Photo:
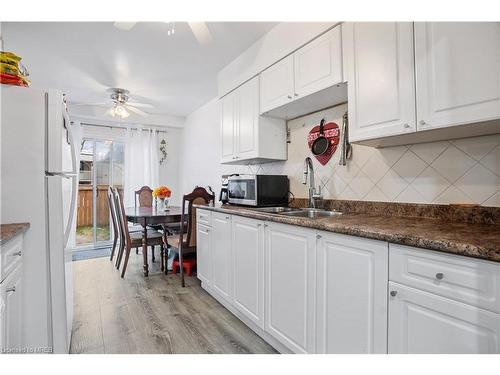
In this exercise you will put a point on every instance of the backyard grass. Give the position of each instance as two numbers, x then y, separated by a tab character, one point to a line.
84	234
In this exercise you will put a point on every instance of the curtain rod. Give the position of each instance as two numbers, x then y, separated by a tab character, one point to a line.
124	127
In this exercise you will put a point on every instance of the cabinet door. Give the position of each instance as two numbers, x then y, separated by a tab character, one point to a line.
204	254
276	85
221	254
11	293
352	294
318	65
420	322
247	123
289	286
380	75
248	268
458	70
2	318
228	116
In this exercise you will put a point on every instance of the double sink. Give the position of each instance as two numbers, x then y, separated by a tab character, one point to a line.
311	213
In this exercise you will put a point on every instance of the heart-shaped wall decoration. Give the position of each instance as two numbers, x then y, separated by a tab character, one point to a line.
332	133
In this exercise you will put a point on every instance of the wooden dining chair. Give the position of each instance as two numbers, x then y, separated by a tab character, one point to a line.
185	241
144	196
132	240
136	230
116	230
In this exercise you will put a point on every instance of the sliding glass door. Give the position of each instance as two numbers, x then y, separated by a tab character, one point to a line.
101	166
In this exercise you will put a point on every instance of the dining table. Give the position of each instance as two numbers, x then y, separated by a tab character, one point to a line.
147	216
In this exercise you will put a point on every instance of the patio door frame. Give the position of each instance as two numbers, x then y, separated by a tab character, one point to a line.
99	244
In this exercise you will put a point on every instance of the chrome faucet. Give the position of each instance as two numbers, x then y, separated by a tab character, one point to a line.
313	195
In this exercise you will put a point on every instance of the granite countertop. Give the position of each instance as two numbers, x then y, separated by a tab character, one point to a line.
9	231
473	240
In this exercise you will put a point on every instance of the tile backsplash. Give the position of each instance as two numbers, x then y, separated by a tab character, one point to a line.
457	171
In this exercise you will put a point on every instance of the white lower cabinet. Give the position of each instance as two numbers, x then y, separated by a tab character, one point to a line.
221	254
421	322
11	313
248	268
11	295
204	254
442	303
351	304
309	291
289	286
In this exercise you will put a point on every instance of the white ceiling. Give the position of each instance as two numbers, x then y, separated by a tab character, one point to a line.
173	73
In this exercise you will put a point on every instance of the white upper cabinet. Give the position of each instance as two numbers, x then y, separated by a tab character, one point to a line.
318	64
247	125
457	72
228	117
245	135
380	75
277	87
351	305
299	83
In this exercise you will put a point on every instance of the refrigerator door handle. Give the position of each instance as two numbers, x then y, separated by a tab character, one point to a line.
67	175
74	180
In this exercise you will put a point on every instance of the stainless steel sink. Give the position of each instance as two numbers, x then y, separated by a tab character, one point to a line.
278	210
312	213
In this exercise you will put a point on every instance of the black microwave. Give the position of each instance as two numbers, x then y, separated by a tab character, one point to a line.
258	190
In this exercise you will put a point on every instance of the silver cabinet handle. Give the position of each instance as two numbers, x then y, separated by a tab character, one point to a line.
295	94
17	254
394	293
439	276
318	236
422	122
265	225
406	126
259	225
289	96
227	217
11	290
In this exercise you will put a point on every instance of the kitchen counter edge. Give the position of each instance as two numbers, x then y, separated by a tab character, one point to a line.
429	234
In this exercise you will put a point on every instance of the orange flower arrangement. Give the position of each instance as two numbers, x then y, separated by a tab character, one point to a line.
162	192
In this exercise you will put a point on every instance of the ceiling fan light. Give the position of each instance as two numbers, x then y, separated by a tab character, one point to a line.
120	111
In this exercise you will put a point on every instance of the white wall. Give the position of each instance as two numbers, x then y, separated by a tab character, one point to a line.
459	171
200	145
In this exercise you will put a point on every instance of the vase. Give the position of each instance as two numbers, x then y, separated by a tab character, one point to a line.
163	204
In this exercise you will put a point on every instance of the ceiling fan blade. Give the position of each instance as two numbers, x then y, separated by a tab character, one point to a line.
124	25
140	105
109	112
96	104
201	32
137	111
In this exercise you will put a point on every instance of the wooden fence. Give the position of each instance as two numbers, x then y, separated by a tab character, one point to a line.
85	200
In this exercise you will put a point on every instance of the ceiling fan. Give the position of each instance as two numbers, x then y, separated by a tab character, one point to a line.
119	105
200	30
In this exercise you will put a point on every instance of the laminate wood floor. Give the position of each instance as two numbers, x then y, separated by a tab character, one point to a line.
151	315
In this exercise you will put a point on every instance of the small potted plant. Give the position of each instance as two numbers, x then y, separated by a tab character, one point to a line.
162	193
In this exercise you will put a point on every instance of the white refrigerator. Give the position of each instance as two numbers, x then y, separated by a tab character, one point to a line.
39	185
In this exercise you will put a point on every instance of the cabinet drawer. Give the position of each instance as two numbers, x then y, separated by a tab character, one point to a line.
203	216
471	281
11	254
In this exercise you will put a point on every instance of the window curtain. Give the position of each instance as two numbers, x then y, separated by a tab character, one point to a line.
141	162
